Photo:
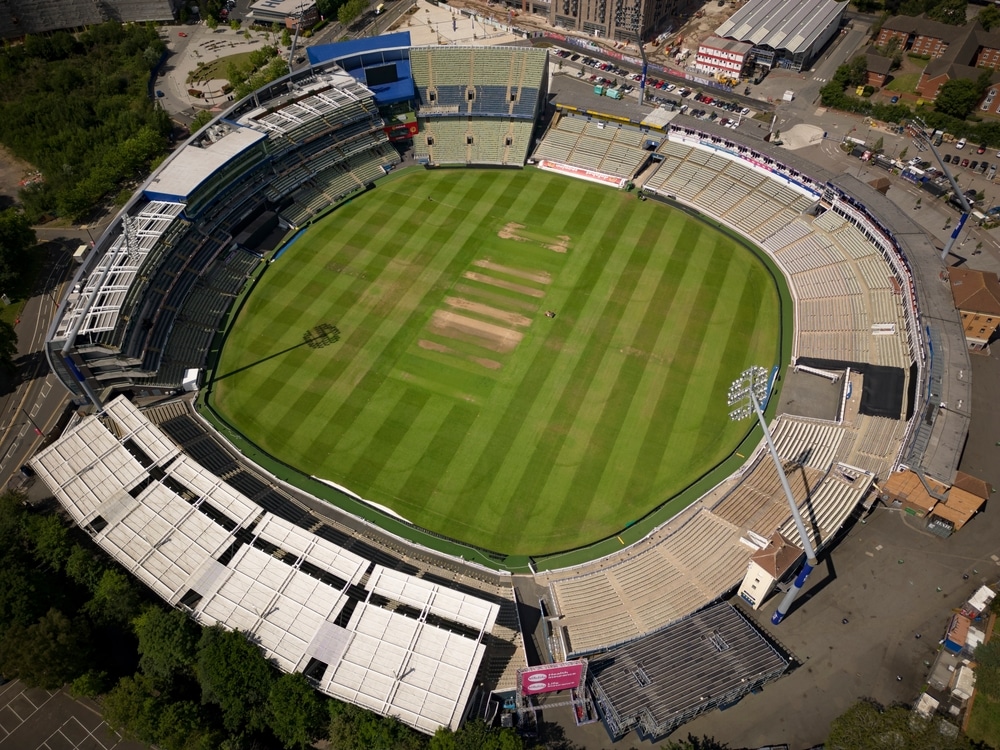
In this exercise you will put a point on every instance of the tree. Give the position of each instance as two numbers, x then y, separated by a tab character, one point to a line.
949	11
868	726
475	735
132	709
168	642
201	120
857	71
115	598
212	23
297	715
354	728
989	17
16	239
48	537
349	11
235	676
696	743
286	37
8	344
48	654
958	96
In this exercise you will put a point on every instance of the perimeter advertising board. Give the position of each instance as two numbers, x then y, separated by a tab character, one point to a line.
550	678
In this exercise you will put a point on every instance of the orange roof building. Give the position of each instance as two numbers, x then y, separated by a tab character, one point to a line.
766	567
917	497
977	297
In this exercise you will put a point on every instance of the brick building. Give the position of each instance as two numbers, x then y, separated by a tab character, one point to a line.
956	52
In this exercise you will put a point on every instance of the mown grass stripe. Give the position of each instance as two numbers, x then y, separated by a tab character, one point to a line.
539	453
670	430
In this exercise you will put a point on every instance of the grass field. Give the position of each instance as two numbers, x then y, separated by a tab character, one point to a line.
401	348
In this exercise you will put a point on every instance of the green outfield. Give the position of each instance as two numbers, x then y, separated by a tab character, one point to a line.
513	359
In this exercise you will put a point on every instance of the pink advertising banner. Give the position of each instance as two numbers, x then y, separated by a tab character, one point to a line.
549	678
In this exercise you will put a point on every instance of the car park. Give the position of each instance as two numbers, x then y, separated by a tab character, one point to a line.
685	92
745	111
670	87
993	172
983	166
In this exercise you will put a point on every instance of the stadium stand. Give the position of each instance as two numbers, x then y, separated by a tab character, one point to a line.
21	17
709	660
613	149
478	105
139	318
311	604
148	303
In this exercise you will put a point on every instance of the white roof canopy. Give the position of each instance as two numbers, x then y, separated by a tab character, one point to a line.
169	521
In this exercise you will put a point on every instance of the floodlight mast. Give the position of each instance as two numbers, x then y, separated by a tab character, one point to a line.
745	394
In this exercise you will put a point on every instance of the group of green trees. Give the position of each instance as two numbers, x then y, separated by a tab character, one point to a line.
76	106
17	239
955	102
69	615
945	11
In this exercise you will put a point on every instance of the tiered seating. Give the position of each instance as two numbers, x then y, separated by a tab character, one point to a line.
40	16
140	10
854	242
758	502
650	589
830	505
812	443
877	444
479	81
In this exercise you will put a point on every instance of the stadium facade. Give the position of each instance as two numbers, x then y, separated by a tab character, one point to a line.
19	18
401	630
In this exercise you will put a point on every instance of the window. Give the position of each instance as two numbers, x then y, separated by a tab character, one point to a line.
513	96
468	140
471	93
508	141
430	140
432	96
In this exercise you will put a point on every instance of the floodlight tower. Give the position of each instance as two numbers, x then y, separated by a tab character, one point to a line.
745	396
966	208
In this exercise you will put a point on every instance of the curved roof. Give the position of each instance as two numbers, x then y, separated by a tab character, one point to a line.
791	25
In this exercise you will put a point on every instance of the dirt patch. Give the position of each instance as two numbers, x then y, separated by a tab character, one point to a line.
509	285
539	277
12	172
511	318
489	364
514	231
433	346
524	305
489	336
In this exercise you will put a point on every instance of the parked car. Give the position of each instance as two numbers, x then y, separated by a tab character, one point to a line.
983	166
973	165
961	144
947	159
993	172
981	149
965	162
894	100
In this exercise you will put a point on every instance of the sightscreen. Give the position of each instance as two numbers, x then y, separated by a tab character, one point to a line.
381	75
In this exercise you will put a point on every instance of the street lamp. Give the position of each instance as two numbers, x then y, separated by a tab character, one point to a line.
745	396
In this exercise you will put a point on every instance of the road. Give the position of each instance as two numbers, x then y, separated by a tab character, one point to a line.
32	409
